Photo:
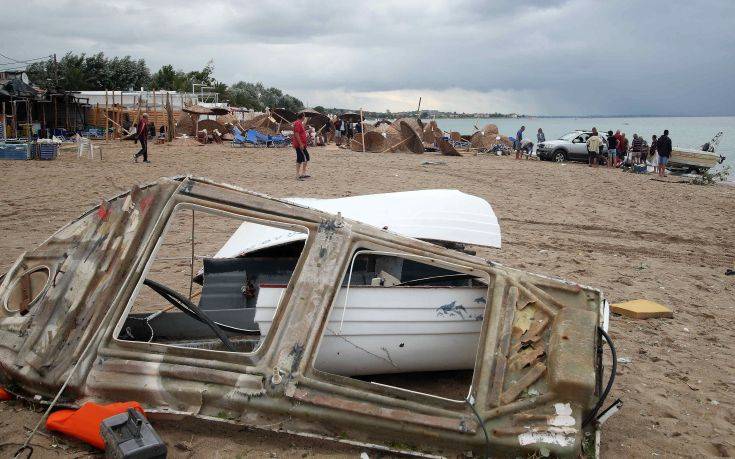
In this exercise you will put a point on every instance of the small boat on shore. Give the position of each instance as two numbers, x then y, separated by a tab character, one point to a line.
692	159
697	160
392	314
398	329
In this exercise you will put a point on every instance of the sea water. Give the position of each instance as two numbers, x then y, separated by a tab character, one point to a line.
685	132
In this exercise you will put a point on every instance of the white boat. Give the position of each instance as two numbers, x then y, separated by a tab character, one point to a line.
440	215
691	158
377	330
390	328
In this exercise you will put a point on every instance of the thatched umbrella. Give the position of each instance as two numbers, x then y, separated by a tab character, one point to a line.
228	118
432	133
310	112
481	140
383	121
411	138
394	140
197	110
416	124
211	125
319	121
446	148
490	129
356	142
219	110
283	115
350	117
184	125
262	123
375	141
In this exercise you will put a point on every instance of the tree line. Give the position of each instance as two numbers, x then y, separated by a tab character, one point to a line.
96	72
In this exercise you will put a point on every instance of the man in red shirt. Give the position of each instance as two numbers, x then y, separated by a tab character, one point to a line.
298	141
142	133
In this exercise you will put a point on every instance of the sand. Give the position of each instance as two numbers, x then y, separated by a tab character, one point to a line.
630	235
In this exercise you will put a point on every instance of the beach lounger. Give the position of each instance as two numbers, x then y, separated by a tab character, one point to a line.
238	139
251	138
459	144
278	140
256	139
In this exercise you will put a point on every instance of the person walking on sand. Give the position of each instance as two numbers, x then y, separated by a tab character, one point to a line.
594	145
142	132
612	149
298	141
337	131
663	148
517	142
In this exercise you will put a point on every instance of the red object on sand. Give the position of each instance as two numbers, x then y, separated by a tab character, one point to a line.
84	423
4	395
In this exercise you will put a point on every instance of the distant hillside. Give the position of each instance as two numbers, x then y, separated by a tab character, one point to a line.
425	114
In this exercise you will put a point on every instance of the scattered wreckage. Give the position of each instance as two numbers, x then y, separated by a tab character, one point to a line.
77	318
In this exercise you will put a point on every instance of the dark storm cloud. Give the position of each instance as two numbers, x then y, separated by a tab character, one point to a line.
548	57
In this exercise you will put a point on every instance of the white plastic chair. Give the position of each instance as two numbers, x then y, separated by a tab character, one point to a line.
84	145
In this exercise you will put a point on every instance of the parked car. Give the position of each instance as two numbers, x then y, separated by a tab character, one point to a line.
569	147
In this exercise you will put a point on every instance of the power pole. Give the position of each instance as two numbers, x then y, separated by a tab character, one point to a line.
56	74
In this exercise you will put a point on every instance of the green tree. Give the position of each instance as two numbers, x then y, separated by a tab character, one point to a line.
320	109
177	80
127	74
71	72
80	72
96	72
167	78
203	76
257	97
40	74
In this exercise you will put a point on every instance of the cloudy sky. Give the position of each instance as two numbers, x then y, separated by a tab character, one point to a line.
548	57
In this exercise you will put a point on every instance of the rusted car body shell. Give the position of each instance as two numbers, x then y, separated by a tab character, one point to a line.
536	373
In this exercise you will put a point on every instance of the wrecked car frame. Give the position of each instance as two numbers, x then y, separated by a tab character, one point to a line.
537	375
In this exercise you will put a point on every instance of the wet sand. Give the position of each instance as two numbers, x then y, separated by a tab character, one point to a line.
630	235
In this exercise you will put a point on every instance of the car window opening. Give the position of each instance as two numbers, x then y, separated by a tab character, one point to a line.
191	298
404	323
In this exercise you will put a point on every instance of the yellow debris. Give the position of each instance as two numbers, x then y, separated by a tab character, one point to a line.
522	320
641	309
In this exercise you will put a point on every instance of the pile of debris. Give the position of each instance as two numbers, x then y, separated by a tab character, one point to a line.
489	138
413	135
191	129
402	135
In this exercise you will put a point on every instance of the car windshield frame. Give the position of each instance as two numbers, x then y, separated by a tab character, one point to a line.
569	136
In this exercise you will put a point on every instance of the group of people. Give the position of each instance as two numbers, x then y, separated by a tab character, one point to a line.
619	150
344	131
524	147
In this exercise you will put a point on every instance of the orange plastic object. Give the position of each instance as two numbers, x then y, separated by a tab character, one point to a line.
4	395
84	423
